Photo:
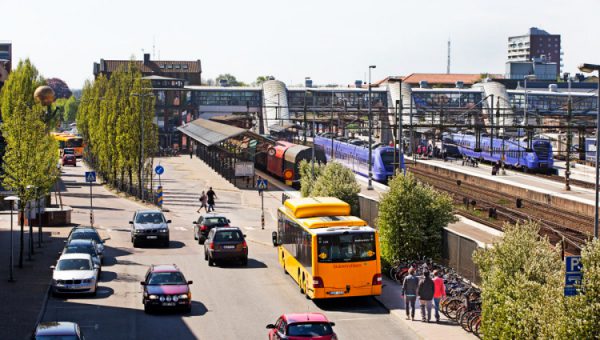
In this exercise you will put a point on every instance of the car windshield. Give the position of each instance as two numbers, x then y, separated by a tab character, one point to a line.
170	278
56	337
347	247
80	249
86	235
74	264
150	217
228	236
215	221
309	329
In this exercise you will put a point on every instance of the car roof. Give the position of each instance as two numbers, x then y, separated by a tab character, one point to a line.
81	229
56	328
81	241
164	268
211	214
148	211
305	317
226	228
75	256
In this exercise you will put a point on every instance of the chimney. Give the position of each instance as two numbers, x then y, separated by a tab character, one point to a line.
146	58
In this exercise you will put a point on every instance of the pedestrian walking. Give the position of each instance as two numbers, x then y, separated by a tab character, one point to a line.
439	292
210	194
425	294
409	291
191	152
203	199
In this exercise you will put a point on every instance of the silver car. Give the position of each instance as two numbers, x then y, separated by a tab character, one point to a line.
75	274
149	226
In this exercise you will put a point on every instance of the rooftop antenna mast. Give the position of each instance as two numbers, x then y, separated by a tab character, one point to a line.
448	66
153	47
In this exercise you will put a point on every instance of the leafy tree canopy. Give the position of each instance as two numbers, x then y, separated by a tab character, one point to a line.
61	90
229	79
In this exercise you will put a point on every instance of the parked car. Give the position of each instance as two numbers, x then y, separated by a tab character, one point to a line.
149	225
226	244
302	326
84	246
88	233
166	287
57	330
69	160
205	223
76	274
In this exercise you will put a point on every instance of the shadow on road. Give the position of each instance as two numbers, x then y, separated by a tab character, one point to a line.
107	276
252	264
198	309
367	305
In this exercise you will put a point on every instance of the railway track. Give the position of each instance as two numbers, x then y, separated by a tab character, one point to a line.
560	226
572	182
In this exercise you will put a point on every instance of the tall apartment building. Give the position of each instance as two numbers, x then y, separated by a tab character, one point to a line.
535	44
5	60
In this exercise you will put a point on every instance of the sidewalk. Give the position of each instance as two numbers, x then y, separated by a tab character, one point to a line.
23	299
243	205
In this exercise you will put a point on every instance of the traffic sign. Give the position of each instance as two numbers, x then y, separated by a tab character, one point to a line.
261	184
573	274
90	176
159	170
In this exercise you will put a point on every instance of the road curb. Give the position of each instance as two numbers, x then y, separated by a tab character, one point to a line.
44	305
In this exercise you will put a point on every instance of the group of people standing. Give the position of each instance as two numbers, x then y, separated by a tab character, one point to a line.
207	200
429	291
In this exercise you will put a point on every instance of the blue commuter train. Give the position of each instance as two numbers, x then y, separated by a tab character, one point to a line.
540	159
355	155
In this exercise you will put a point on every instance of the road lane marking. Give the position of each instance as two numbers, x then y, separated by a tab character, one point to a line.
181	228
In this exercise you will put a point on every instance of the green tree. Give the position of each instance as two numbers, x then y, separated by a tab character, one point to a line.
261	79
335	180
70	110
308	176
411	218
522	286
583	321
29	164
230	79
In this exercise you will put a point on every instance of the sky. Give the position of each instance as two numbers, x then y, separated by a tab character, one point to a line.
331	41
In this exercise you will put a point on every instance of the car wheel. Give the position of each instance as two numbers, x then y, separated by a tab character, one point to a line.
245	261
135	243
201	240
147	309
188	309
205	256
211	262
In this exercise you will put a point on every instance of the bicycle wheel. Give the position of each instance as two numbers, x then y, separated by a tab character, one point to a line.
476	327
464	320
459	313
450	308
473	319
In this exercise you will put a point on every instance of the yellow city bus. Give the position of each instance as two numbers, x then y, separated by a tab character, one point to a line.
67	140
325	250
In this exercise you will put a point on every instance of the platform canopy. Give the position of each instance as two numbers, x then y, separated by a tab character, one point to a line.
208	132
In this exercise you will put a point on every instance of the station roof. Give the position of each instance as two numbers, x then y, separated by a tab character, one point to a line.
208	132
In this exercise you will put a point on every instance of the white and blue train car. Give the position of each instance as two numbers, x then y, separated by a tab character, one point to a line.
356	157
590	150
539	159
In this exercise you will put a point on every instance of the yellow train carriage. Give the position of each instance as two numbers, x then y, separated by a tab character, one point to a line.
326	251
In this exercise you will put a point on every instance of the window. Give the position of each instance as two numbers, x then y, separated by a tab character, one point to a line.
177	66
228	236
309	329
166	278
296	240
347	247
184	66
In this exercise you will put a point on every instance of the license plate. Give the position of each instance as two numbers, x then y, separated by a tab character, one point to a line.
228	247
152	237
166	304
337	292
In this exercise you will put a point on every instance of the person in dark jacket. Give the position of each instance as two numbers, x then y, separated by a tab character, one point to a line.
409	290
425	293
210	194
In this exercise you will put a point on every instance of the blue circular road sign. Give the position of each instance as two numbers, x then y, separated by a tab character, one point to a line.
159	170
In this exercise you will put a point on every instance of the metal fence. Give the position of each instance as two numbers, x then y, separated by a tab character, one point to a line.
457	253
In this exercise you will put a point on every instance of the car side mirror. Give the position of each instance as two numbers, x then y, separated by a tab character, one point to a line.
142	283
105	239
274	237
194	222
60	253
270	326
244	235
52	267
65	241
190	282
130	222
96	266
168	221
228	221
332	324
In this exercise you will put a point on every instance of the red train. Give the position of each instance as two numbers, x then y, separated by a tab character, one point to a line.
283	158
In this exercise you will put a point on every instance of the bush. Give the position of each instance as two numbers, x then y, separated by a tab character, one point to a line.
307	180
411	218
335	180
522	286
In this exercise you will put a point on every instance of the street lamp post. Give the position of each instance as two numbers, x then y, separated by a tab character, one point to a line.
370	185
588	68
525	113
12	200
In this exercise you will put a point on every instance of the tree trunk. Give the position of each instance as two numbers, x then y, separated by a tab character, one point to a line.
130	184
22	242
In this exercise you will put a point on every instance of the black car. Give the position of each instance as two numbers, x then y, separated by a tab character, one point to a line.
226	244
205	223
57	330
88	233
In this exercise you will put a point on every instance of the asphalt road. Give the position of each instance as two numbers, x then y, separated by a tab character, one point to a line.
229	302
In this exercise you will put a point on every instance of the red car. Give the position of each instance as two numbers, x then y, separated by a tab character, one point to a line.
69	160
301	327
166	287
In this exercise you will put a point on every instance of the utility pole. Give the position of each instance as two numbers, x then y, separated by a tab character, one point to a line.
370	185
568	163
305	124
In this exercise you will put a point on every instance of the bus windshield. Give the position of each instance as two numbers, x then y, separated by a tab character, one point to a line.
347	247
74	143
